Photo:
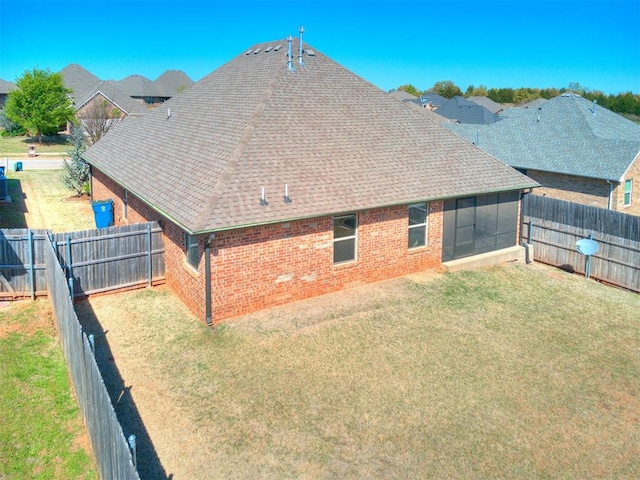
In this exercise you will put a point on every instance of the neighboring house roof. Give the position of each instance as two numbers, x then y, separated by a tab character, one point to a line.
464	111
433	99
6	86
110	90
139	86
79	80
338	142
415	102
486	102
534	103
173	82
562	135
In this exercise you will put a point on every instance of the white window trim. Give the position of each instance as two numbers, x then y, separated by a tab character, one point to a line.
350	237
417	225
624	193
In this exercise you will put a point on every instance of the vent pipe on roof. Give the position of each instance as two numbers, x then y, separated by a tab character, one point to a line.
300	62
594	106
477	137
263	199
290	54
287	199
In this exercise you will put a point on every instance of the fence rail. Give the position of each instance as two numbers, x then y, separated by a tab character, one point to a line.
97	260
554	227
109	445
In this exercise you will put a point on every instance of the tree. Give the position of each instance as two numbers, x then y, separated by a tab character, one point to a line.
40	102
472	91
446	88
98	118
410	89
76	172
10	128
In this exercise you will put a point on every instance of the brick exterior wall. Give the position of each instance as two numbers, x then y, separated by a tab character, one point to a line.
590	191
633	173
258	267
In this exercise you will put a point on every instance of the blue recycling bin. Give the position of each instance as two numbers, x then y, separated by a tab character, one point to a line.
103	213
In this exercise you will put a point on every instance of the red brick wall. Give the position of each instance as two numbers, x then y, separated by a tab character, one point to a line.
181	278
633	174
258	267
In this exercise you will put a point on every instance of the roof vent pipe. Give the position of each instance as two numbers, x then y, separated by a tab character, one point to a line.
594	106
300	62
289	54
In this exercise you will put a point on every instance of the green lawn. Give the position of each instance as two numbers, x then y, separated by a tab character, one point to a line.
19	146
40	200
510	372
42	435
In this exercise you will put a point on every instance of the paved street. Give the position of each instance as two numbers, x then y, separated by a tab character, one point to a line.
40	162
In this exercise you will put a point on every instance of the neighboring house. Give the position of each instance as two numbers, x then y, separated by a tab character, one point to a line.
79	80
432	101
461	110
415	102
142	89
110	92
173	82
577	150
486	102
5	88
275	181
534	103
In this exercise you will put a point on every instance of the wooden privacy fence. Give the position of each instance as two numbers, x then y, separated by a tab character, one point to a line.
97	260
111	449
22	265
554	226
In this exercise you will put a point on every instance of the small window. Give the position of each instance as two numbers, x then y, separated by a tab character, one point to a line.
628	185
193	257
417	225
125	205
344	238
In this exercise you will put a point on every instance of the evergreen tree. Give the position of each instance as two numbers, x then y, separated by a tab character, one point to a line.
76	171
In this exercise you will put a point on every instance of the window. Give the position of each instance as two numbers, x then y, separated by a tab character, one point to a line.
627	192
125	205
417	225
344	238
193	257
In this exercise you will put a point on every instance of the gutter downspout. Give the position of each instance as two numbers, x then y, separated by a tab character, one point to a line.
207	279
610	201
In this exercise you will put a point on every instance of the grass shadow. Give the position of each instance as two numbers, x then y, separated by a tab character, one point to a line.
12	214
148	462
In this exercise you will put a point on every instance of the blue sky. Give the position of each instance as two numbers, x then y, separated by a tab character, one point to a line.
543	43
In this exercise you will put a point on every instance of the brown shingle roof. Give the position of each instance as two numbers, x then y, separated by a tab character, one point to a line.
340	143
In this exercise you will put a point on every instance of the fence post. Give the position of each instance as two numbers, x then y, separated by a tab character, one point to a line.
149	256
70	283
32	279
132	445
69	268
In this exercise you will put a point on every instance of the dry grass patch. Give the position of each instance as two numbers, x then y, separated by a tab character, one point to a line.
510	372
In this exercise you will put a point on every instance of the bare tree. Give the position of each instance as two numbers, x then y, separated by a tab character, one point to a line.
98	118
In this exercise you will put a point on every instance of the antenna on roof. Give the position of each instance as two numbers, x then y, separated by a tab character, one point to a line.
300	62
290	54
